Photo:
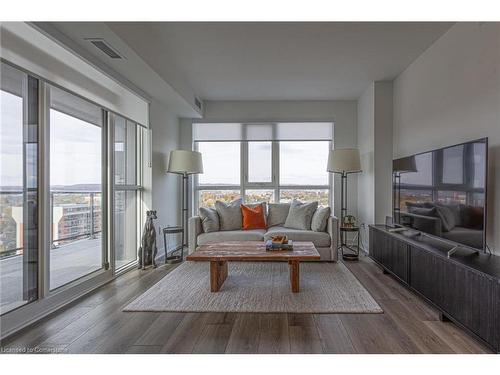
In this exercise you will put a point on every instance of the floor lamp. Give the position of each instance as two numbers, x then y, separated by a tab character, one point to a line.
344	162
185	162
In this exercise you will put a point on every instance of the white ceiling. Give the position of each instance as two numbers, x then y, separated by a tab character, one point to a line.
279	61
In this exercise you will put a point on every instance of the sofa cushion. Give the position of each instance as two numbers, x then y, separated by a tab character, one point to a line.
470	237
319	239
229	214
232	235
277	213
209	220
300	215
320	218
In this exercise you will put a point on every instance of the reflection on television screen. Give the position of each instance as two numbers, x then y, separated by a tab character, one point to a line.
443	192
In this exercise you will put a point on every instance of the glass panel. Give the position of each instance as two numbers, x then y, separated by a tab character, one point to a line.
479	161
207	198
75	188
452	197
423	176
256	196
125	227
221	163
304	163
125	151
453	165
477	200
125	205
306	195
18	189
260	162
414	196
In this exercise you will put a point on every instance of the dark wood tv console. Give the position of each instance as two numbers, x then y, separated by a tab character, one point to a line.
464	288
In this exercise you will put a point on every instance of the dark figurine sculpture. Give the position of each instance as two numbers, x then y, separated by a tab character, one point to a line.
148	250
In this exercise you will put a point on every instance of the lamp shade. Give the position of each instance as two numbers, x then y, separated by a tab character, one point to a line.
184	161
344	160
404	165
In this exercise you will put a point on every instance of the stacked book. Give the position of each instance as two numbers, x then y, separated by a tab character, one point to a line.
276	246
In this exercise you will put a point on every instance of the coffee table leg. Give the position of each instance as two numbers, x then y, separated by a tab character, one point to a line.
294	275
218	274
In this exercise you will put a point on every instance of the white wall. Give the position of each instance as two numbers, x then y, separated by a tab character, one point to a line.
383	150
166	187
366	146
343	113
451	94
375	148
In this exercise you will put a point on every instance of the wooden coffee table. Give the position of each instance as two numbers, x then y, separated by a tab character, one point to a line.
218	254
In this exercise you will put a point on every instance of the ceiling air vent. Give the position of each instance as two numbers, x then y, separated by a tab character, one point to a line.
104	47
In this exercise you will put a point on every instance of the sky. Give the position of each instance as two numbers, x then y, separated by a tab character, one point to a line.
75	146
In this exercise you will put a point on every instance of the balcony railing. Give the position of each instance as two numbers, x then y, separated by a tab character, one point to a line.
84	205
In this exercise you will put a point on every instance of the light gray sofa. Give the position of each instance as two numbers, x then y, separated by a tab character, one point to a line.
326	242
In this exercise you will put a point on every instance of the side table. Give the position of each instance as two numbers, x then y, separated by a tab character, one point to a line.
352	253
172	258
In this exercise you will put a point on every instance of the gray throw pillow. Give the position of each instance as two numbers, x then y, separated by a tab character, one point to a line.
229	215
209	220
277	214
447	217
300	215
455	211
320	218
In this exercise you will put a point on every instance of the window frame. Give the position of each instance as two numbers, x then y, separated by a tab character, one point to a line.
245	184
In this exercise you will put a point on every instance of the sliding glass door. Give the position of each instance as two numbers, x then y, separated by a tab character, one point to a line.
126	189
70	195
76	187
19	130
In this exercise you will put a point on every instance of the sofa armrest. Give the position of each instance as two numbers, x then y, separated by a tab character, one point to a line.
194	230
332	227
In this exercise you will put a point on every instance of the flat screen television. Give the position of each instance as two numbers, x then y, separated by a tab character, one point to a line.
443	192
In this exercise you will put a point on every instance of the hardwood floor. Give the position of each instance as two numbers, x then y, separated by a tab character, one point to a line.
97	324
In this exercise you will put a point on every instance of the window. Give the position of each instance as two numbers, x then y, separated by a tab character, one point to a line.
126	198
57	189
257	169
18	189
76	149
221	163
260	162
453	165
207	198
304	163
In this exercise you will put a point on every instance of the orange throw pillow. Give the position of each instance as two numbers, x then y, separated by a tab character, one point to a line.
253	218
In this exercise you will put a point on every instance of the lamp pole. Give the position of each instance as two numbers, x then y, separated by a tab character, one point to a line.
184	208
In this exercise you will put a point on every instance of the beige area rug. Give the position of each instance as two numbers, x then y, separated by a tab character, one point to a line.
258	287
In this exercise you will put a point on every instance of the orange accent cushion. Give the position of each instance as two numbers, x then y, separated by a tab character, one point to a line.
253	218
